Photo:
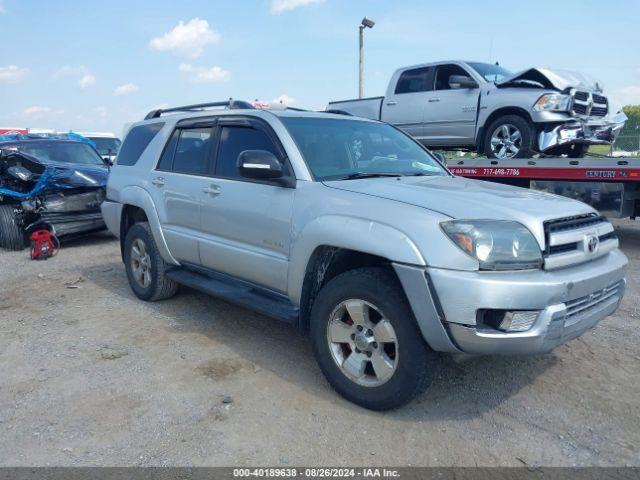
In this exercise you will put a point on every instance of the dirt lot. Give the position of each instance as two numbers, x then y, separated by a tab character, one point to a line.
89	375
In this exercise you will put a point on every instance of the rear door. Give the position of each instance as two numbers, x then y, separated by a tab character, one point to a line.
246	223
450	114
404	105
178	186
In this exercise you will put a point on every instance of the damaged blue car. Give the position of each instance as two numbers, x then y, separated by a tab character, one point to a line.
49	182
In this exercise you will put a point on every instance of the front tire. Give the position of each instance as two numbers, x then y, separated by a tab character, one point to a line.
509	136
366	340
146	269
12	235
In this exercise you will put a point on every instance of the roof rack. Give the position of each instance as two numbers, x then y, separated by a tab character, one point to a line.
231	104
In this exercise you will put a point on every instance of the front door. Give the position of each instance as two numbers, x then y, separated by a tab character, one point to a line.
246	224
450	113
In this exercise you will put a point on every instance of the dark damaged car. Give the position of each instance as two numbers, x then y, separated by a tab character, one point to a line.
55	183
484	107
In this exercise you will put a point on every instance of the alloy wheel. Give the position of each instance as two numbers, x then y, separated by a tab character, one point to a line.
506	141
363	343
140	263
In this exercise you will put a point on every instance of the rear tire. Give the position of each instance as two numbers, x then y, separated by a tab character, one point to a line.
387	362
509	136
12	235
146	269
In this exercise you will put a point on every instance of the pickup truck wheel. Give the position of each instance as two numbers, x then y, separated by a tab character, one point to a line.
510	136
146	269
367	342
12	236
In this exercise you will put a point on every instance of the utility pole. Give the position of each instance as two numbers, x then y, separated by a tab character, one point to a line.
366	23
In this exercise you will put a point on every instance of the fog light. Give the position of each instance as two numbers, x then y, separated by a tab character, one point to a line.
518	321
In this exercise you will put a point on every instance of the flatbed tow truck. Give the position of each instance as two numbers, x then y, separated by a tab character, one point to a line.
610	185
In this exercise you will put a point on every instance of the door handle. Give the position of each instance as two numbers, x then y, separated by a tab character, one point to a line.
212	190
431	100
158	182
392	103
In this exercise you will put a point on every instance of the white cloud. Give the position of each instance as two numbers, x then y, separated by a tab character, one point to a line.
284	99
101	112
280	6
36	111
12	74
186	39
87	81
629	95
205	75
126	89
2	9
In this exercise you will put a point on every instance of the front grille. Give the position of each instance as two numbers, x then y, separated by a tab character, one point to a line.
583	304
572	223
582	96
589	104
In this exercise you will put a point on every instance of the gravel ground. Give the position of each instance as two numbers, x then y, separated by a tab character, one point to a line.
89	375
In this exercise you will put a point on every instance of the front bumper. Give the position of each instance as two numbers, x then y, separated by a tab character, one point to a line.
575	132
111	213
559	296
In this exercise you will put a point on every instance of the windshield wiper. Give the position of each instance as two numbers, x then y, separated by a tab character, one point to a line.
356	175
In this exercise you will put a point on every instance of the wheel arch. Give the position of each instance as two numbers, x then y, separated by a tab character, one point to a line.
138	206
500	112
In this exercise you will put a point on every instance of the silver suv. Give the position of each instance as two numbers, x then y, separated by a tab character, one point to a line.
349	229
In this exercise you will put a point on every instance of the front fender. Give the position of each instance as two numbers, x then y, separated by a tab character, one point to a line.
139	197
350	233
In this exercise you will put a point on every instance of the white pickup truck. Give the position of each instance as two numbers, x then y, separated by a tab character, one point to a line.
483	107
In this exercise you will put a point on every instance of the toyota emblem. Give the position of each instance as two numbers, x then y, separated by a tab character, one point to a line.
592	244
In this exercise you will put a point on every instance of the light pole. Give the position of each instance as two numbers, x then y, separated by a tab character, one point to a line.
366	23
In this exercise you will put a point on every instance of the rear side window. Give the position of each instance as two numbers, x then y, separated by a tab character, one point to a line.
415	80
136	142
191	151
235	140
166	161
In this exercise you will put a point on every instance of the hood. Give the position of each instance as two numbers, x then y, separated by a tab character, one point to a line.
47	176
463	198
547	78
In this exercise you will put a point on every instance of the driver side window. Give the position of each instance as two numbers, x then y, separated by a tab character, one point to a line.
444	72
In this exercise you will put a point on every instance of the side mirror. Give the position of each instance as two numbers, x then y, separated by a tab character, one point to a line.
259	165
462	81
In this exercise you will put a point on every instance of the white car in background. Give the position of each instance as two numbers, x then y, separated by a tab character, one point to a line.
106	143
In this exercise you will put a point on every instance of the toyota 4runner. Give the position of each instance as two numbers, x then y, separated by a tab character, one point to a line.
352	231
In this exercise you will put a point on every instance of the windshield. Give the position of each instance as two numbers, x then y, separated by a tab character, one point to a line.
64	152
338	149
106	145
491	72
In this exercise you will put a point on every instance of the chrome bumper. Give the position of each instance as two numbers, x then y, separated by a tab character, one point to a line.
559	296
578	132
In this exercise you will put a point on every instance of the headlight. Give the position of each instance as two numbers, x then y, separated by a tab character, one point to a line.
554	102
496	244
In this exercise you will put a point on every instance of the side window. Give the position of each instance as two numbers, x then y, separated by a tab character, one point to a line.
235	140
166	160
444	72
191	151
412	81
136	142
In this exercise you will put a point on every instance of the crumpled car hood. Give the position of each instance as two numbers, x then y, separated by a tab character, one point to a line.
463	198
549	78
59	176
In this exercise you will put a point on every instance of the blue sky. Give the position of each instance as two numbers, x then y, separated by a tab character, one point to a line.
90	65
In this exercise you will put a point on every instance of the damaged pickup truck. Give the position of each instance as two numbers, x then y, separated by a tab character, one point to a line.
55	183
458	105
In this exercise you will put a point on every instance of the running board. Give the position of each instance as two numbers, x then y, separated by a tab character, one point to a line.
239	292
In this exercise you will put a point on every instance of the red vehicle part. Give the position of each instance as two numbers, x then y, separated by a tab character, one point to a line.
44	244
